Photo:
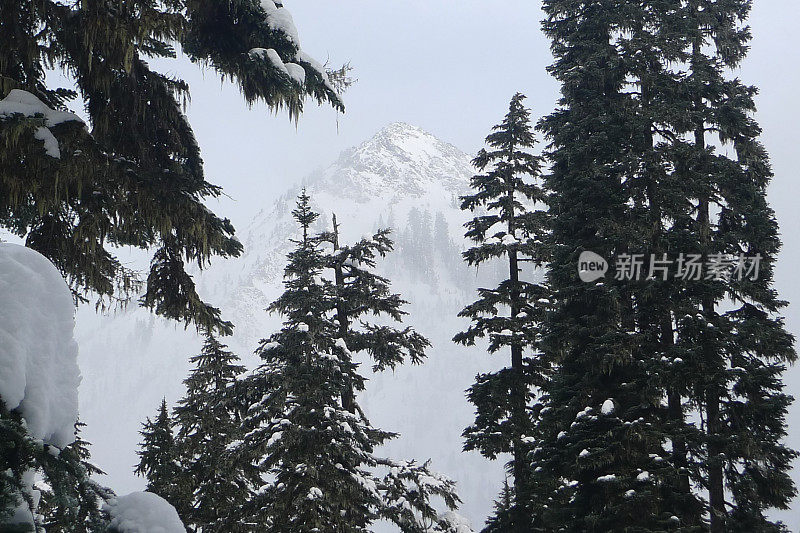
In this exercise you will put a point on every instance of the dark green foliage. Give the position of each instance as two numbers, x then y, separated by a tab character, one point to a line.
647	99
242	26
18	453
159	459
207	423
737	356
308	445
187	457
70	500
297	431
73	501
501	520
509	228
135	176
596	469
360	292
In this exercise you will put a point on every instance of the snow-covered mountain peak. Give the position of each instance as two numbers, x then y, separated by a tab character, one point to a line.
407	138
402	138
400	160
400	168
403	178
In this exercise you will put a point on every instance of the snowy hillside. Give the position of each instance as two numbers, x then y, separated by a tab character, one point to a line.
402	178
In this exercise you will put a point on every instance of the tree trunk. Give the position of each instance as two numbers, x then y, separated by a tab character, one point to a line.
675	409
349	395
518	391
716	481
663	315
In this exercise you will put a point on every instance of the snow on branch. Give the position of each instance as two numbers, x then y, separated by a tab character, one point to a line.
407	491
19	102
296	68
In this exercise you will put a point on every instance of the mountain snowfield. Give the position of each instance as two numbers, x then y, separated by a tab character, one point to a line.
402	178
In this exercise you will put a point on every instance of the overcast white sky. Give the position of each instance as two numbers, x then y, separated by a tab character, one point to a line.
451	67
448	67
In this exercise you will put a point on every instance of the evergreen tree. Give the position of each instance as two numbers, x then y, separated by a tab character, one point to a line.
417	244
659	227
510	229
159	460
313	457
442	244
661	214
73	500
729	331
646	97
207	422
359	292
501	520
602	460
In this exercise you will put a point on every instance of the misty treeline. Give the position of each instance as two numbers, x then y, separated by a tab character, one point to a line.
626	403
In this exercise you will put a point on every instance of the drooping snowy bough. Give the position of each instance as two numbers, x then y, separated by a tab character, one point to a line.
39	377
296	66
38	355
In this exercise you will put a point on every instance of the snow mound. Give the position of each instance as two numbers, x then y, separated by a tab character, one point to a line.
19	102
25	103
296	72
143	512
38	354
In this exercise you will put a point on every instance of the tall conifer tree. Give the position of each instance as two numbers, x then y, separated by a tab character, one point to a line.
729	328
603	459
312	458
659	229
647	99
509	314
